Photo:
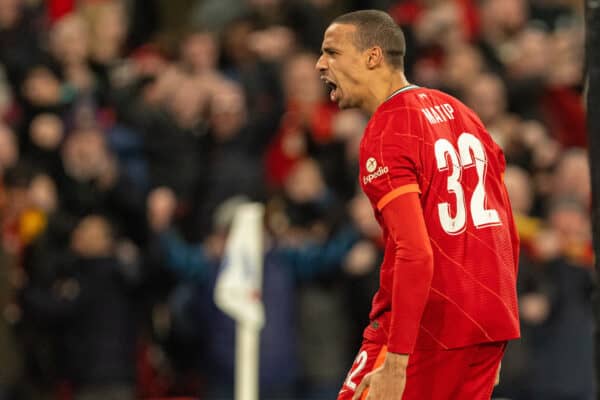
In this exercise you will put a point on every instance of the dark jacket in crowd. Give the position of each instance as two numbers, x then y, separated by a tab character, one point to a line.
563	363
92	307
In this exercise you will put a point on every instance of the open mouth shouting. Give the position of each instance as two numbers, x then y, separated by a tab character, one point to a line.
332	86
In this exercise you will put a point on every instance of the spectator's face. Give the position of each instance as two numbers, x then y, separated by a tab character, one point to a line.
518	184
300	80
47	131
348	127
9	152
227	111
187	102
531	55
305	183
462	64
199	51
42	193
69	40
111	25
572	224
566	54
92	237
84	154
342	66
161	205
440	24
10	11
507	16
41	87
572	176
487	97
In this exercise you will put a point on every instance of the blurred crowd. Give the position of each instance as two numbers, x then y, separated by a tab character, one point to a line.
132	129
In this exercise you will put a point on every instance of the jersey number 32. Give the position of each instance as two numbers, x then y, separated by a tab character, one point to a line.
470	154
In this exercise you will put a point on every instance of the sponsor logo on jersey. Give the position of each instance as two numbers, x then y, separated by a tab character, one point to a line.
371	164
376	174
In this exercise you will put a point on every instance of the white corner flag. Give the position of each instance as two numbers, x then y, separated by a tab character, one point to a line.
238	293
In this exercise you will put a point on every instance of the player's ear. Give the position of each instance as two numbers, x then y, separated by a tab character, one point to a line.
374	57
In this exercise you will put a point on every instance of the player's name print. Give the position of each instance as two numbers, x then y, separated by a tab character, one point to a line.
438	113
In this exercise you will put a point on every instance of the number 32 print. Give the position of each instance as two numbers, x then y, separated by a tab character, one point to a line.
470	154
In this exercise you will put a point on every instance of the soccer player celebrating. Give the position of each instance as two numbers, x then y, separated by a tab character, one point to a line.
447	301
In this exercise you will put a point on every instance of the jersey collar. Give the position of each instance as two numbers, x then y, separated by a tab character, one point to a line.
401	90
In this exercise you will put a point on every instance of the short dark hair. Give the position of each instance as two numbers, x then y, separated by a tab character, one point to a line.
377	28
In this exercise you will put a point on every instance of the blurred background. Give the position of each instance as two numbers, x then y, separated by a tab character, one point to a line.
131	129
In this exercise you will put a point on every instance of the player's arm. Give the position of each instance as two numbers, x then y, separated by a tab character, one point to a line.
396	195
413	269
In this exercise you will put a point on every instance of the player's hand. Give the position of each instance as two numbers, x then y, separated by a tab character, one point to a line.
386	382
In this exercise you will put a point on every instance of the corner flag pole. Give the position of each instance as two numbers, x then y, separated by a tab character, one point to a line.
246	362
592	13
238	294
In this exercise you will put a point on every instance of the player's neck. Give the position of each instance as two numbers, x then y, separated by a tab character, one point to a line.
382	89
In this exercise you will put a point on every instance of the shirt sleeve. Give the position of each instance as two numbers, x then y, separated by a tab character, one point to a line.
389	164
413	270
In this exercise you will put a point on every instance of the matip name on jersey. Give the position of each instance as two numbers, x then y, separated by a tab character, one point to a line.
438	113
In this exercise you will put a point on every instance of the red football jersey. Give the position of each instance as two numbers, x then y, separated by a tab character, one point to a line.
423	140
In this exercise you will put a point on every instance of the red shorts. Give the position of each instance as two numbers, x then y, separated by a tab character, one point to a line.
465	373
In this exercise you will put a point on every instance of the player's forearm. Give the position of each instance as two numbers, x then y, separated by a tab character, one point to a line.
413	270
412	282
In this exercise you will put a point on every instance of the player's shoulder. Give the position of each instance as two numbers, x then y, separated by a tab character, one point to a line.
461	109
395	113
438	96
408	105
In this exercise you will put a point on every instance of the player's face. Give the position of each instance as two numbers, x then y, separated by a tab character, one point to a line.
342	66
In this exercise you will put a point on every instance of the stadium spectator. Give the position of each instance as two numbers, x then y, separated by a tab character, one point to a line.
91	301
